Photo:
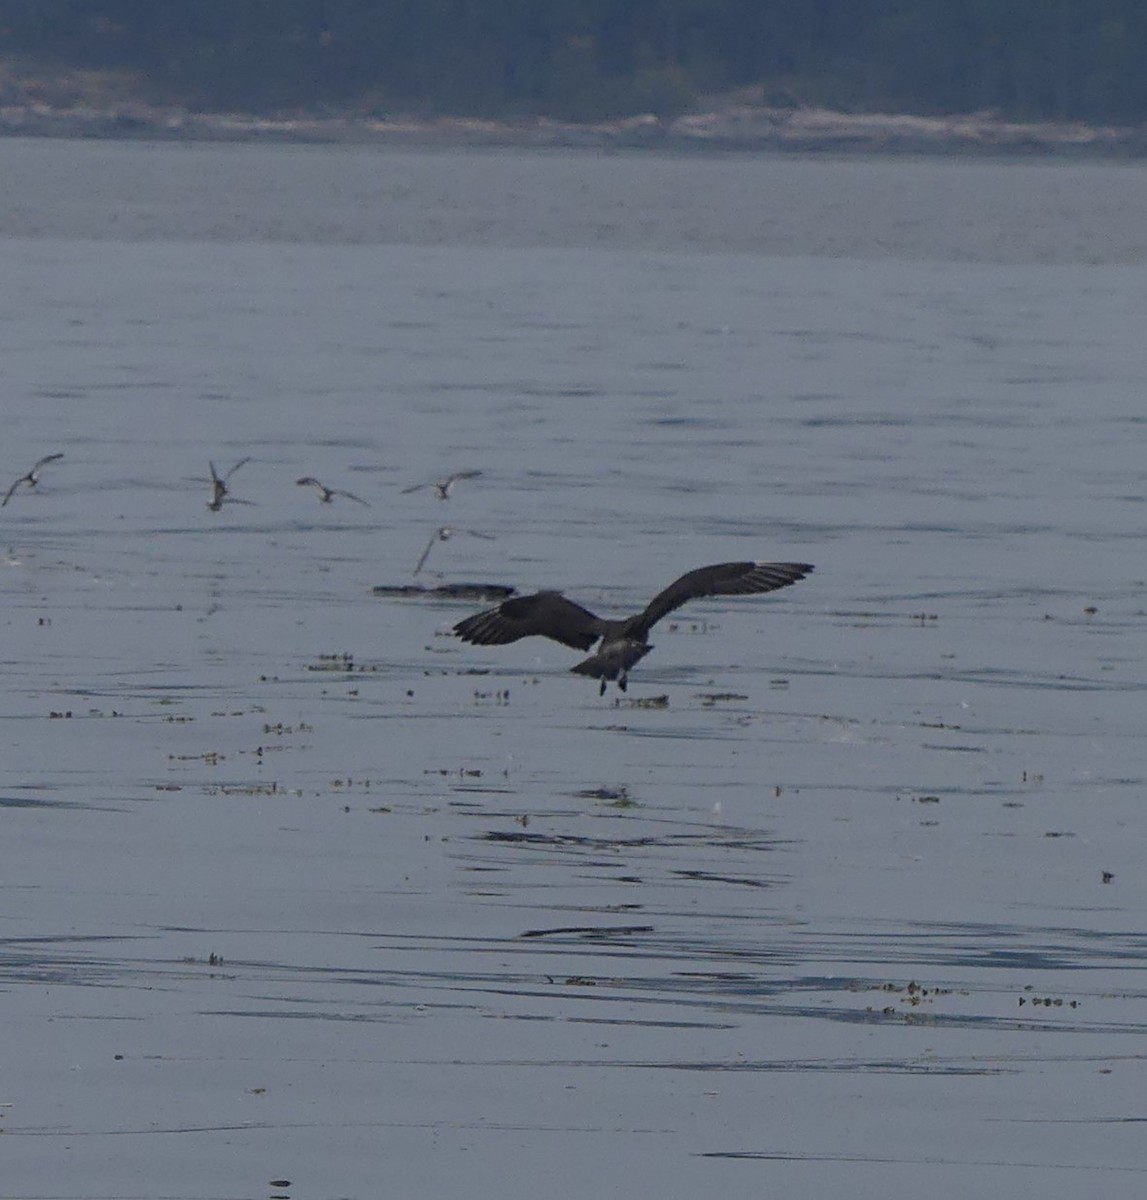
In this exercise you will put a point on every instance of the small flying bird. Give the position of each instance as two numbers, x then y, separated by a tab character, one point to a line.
443	487
623	643
220	493
444	534
32	478
326	494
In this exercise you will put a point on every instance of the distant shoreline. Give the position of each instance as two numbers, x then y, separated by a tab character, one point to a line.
730	127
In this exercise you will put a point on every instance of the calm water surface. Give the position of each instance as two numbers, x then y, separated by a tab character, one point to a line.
296	886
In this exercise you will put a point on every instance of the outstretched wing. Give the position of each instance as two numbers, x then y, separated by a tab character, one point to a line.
439	535
723	579
11	491
45	460
350	496
545	614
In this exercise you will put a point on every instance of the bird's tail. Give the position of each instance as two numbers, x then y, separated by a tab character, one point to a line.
613	659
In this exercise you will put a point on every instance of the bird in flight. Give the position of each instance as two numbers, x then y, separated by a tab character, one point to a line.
326	494
444	534
443	487
220	493
32	478
621	643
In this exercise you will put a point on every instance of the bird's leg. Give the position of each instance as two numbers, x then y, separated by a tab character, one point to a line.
623	680
601	690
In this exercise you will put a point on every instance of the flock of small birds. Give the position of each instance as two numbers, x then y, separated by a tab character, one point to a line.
620	643
221	494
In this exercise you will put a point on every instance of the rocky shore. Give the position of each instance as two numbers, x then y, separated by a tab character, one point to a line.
89	105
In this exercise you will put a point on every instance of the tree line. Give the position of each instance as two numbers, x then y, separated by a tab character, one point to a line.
591	59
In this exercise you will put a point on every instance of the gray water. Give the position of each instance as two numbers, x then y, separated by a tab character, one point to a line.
846	892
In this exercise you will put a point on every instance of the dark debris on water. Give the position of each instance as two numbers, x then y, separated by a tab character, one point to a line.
445	591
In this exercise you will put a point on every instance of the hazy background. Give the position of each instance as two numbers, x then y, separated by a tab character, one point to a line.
592	59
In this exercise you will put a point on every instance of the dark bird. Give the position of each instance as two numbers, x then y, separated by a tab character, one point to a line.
623	643
32	478
326	494
220	493
444	534
443	487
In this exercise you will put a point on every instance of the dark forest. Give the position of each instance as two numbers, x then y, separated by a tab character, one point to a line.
595	59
